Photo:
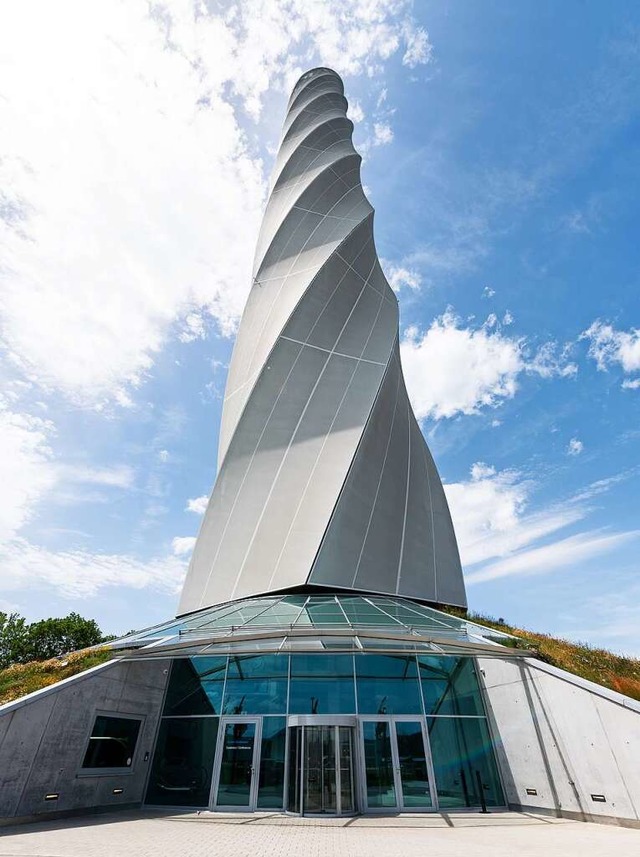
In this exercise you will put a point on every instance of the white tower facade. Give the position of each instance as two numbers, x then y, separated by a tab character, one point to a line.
325	479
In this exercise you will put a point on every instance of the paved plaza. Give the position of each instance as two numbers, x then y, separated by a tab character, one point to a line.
148	834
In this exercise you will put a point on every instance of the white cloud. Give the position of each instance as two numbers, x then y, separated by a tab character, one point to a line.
164	455
194	328
452	370
399	276
489	514
131	196
80	574
419	48
182	545
488	292
608	346
382	133
119	476
560	554
575	446
498	536
355	112
27	471
507	319
197	505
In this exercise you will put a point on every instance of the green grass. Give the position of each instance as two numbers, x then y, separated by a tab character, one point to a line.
20	679
600	665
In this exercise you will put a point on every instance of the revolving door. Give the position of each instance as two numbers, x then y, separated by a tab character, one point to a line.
321	768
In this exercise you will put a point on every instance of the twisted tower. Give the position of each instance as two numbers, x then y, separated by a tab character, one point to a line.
324	478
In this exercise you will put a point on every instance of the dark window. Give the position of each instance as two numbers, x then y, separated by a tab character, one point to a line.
112	742
196	686
183	761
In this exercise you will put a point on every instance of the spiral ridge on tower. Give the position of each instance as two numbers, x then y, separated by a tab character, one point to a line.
325	480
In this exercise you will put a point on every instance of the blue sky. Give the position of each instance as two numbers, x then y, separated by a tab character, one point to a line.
501	148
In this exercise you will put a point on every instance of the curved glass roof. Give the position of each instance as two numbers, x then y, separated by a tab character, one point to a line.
313	622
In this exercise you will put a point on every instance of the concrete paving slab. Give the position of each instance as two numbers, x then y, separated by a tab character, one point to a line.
152	834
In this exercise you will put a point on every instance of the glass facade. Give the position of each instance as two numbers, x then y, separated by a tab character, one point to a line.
419	740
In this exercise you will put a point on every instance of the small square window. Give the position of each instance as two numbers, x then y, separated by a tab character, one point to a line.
112	742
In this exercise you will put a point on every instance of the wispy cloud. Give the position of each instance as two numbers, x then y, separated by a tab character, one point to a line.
560	554
610	347
575	446
499	537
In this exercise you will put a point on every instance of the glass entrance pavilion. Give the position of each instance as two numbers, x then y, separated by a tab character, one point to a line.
323	704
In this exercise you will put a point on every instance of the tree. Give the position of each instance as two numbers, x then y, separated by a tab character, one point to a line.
13	635
52	637
48	638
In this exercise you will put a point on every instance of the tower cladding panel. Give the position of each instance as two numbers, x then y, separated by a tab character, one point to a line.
324	477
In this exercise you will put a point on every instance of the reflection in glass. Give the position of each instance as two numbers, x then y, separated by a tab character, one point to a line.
378	762
195	686
272	748
236	770
321	684
256	685
414	775
183	760
387	684
450	686
462	753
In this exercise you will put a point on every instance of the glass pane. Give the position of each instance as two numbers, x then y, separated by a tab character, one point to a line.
295	738
321	684
360	612
112	742
274	666
257	685
378	762
322	613
387	684
195	686
414	775
450	686
236	770
255	696
345	737
319	769
271	783
183	760
463	762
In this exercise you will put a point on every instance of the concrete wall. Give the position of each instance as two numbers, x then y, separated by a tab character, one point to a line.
43	739
566	738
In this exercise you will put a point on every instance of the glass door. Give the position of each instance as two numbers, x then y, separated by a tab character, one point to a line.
397	765
237	763
319	777
321	770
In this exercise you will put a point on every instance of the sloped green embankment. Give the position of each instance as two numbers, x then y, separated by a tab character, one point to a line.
606	668
20	679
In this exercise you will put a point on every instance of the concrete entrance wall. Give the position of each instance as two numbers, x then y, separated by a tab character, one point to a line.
44	736
565	739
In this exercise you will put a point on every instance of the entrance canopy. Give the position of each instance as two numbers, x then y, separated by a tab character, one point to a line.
336	622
